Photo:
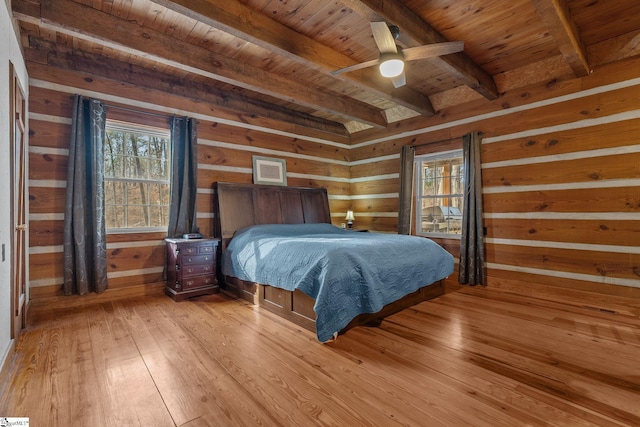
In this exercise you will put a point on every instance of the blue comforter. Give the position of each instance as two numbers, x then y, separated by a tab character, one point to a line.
347	273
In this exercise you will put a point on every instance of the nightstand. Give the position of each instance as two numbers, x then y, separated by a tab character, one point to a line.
191	267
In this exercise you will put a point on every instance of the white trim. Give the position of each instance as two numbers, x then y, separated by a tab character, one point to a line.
5	354
252	149
317	177
50	118
433	235
112	275
140	244
339	197
205	191
225	168
378	214
35	250
205	215
612	118
573	216
136	128
374	178
49	150
50	281
139	272
374	160
47	183
605	183
438	155
576	155
566	245
136	230
375	196
367	214
634	283
46	216
364	196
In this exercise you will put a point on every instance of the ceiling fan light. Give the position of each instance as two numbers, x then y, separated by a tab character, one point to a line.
391	64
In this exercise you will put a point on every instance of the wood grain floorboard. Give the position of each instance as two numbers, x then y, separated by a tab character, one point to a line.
473	357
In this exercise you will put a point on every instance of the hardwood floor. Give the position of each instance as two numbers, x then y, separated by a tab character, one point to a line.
476	357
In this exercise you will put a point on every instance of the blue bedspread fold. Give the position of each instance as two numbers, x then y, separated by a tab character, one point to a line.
347	273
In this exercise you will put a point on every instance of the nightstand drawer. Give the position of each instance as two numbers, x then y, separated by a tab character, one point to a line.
196	248
197	282
196	270
196	259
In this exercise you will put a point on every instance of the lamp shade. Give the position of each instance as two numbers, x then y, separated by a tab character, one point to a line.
349	216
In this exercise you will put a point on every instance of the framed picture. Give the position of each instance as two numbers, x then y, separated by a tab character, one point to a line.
267	170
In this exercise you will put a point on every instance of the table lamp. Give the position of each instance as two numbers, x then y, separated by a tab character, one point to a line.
349	218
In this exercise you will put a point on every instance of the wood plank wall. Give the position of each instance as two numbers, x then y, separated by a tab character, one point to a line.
226	144
561	177
561	164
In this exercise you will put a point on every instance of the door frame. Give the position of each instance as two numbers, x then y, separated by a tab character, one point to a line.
18	209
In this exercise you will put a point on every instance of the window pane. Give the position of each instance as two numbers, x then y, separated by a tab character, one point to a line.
114	142
159	215
440	193
115	216
136	217
114	193
429	181
158	169
136	176
135	194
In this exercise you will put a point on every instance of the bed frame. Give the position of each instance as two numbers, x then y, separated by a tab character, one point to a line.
240	205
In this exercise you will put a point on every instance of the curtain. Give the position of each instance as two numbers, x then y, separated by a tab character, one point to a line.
406	186
85	247
184	168
472	255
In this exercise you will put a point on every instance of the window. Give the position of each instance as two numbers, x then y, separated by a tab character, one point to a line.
439	193
136	169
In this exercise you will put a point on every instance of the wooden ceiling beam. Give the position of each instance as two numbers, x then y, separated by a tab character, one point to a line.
414	31
557	16
87	23
244	108
239	20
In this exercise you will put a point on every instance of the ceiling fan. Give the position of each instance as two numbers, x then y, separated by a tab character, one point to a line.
393	57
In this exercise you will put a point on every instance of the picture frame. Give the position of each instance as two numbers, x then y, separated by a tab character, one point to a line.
269	170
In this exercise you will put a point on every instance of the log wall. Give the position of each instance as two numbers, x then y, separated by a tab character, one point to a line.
226	145
561	175
561	180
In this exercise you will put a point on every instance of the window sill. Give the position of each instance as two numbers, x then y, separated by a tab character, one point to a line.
440	235
136	230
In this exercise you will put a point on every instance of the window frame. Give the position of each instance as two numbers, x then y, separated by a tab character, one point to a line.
418	162
150	131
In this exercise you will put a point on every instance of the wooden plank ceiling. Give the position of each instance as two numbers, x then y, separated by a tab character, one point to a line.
274	58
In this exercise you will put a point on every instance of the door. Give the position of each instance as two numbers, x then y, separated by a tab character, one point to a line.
18	248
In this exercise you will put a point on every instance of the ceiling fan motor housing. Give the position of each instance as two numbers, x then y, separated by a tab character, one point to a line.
395	31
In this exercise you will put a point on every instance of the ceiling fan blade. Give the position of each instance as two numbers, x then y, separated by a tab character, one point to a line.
399	81
384	40
432	50
356	67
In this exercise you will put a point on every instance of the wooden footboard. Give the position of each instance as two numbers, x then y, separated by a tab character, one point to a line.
297	307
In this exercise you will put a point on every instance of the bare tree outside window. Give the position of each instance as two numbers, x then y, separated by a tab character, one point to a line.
137	172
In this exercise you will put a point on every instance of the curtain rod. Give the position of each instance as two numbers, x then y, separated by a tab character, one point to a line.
437	142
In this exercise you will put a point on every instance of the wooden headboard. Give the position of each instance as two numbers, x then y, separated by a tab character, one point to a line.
241	205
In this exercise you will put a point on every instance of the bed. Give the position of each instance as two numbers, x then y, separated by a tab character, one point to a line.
329	279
